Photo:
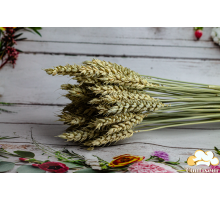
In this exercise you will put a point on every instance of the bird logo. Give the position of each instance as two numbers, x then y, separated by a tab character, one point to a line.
203	158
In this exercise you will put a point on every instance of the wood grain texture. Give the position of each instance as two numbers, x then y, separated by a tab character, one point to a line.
126	42
28	83
73	34
31	114
178	144
169	53
178	138
47	115
151	51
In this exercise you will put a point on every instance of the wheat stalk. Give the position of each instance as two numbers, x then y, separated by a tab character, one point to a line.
110	101
105	139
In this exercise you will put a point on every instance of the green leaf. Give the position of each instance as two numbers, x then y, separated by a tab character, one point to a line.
217	150
25	154
8	111
3	156
29	169
198	28
87	170
20	39
160	159
6	166
8	104
16	36
173	163
35	29
151	157
6	137
19	50
72	165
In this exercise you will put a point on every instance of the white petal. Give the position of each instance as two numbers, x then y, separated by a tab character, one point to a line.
213	34
215	39
96	167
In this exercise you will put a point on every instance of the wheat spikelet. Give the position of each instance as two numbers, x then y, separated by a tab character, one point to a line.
66	86
109	67
76	98
130	106
105	121
63	70
116	90
90	111
75	90
114	137
72	119
77	108
97	70
107	89
126	96
79	135
138	118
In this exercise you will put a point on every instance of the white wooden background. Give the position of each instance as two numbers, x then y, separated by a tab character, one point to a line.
171	53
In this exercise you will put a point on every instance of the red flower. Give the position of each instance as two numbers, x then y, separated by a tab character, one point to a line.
198	34
54	167
35	165
9	30
23	159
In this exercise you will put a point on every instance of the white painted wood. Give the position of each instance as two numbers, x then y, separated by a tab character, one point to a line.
1	91
31	114
179	138
47	115
178	144
73	34
121	50
28	83
1	87
134	41
184	59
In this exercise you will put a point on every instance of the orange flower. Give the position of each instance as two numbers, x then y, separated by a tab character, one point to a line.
125	159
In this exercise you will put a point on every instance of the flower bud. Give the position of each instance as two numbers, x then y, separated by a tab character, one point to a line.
23	159
35	165
104	167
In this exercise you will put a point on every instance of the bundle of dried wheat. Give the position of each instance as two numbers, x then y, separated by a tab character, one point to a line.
110	102
107	103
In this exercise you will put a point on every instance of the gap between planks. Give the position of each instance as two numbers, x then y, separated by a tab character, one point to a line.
172	128
98	148
208	43
119	56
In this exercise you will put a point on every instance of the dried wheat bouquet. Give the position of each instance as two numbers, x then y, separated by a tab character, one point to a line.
111	102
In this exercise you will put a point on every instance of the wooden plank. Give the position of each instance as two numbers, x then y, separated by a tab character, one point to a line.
121	50
178	138
31	114
28	83
178	144
47	115
115	35
135	42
